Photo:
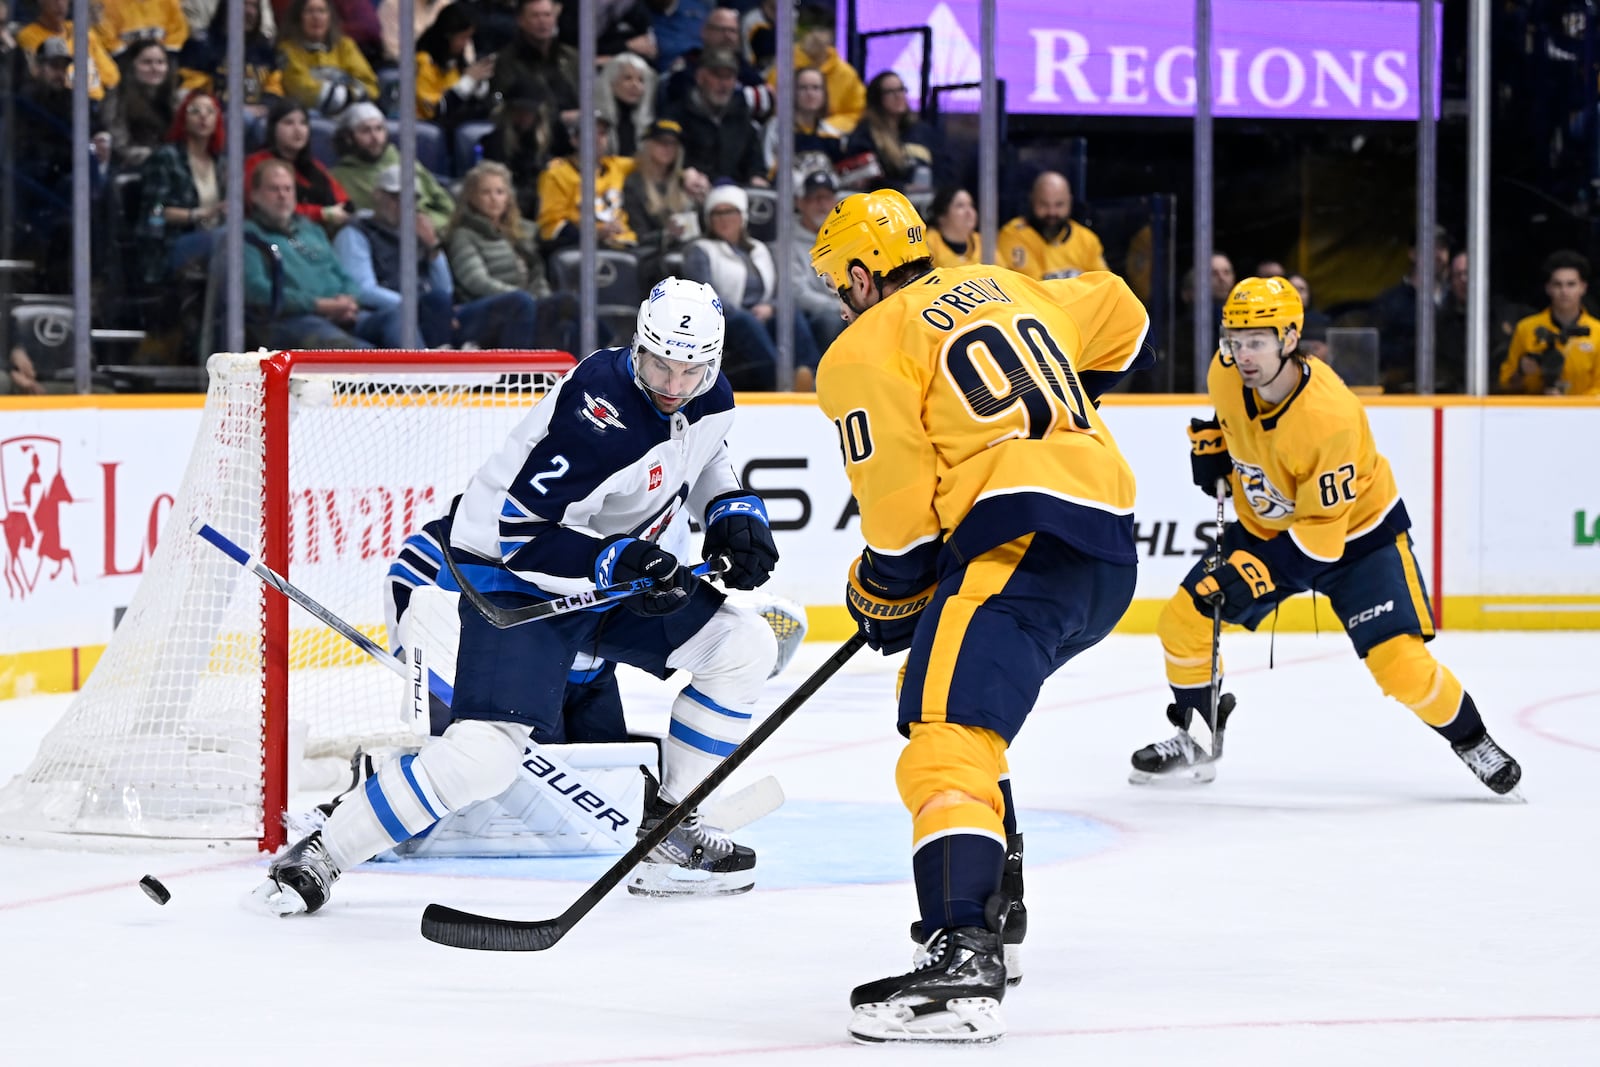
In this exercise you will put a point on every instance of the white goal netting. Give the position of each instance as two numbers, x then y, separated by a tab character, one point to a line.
334	463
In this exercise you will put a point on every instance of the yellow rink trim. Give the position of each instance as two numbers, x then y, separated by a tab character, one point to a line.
52	671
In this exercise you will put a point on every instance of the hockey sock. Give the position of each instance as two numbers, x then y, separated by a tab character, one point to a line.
702	734
955	874
1407	671
949	778
1010	818
1186	644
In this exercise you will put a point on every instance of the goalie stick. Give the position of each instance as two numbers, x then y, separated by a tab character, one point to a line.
558	778
459	929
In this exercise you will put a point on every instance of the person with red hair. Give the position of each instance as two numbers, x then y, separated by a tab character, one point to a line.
183	194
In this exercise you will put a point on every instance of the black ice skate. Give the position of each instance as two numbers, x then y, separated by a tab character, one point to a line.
1178	759
1014	927
952	995
299	881
694	860
1492	764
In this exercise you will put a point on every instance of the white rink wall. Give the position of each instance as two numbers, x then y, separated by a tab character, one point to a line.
1519	497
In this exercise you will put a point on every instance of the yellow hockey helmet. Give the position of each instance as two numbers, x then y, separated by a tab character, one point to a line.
880	229
1264	303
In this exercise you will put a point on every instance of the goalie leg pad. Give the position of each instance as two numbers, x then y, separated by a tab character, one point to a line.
430	631
473	760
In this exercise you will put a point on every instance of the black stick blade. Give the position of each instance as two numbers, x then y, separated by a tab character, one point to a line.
461	929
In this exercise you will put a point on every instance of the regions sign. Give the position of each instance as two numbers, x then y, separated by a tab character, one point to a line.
1318	59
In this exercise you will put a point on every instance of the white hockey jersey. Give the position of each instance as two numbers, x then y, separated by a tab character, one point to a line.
594	459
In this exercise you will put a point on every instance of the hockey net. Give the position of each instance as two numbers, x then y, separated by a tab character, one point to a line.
213	688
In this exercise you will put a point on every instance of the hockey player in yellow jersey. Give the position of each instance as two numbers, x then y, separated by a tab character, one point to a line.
1317	509
998	518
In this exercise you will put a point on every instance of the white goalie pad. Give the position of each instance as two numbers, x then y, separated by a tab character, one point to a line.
547	812
429	636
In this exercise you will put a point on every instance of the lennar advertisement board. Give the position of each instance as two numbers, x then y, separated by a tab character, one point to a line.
87	487
1313	59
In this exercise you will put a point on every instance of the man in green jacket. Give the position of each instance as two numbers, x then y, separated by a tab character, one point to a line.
365	151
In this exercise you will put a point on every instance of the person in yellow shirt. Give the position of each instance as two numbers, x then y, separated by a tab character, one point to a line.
997	513
847	93
560	185
51	21
126	22
1046	243
1557	351
1318	509
953	239
323	70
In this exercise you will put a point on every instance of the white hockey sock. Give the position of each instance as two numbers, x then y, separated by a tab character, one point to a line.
703	732
473	760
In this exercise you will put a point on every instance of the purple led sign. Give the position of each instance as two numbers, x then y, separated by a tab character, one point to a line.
1303	59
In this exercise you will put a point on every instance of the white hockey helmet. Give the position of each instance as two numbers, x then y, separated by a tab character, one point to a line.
680	322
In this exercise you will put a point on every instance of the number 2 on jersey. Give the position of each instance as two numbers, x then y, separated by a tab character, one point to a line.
1038	376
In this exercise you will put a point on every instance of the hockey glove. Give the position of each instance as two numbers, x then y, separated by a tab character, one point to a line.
736	527
888	624
1208	455
1240	581
627	559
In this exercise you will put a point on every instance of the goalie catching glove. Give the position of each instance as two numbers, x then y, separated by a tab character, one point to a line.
887	623
736	528
1208	455
627	559
1240	581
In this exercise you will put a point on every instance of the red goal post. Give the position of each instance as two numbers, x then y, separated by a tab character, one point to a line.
213	695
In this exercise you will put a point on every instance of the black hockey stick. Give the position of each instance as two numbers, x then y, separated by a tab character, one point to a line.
460	929
505	618
1216	720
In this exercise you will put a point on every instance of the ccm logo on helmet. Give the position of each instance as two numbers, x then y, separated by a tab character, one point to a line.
1370	614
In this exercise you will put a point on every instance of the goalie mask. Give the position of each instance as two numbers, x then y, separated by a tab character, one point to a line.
677	341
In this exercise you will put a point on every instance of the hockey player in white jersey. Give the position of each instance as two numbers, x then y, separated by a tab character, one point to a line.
575	500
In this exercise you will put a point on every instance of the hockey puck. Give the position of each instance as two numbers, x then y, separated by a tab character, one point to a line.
154	889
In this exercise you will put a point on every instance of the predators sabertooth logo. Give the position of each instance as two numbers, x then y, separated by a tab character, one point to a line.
1264	498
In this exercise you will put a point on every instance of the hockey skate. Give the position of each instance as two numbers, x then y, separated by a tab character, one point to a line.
1178	760
952	994
1492	764
299	881
695	860
1014	927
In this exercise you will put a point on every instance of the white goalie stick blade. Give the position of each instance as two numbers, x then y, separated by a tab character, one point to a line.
965	1021
743	807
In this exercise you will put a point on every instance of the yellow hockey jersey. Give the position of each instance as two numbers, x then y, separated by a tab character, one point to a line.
1076	251
943	255
1307	468
964	404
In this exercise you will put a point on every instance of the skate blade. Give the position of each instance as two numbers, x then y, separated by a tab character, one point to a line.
1194	774
663	881
965	1021
270	898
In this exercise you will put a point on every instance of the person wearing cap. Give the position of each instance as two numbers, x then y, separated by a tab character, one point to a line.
560	213
362	141
536	55
51	23
369	251
719	138
719	32
815	196
662	198
742	272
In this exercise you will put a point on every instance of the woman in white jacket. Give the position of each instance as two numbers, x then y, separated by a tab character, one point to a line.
742	272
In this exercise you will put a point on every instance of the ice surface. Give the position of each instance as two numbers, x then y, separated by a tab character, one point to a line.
1345	893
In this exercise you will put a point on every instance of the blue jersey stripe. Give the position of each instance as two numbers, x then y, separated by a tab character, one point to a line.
695	739
386	816
706	702
405	767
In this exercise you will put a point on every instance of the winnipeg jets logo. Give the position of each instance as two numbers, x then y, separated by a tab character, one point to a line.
601	412
1265	499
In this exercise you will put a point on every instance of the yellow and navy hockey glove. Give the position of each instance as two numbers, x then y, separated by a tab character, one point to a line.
1240	581
887	623
1208	455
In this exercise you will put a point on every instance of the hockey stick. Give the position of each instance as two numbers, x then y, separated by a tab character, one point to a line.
561	779
505	618
1215	719
460	929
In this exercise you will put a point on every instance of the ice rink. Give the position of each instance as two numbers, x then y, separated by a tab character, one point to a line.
1344	893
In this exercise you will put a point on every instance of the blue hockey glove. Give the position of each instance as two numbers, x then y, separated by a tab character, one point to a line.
627	559
736	527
